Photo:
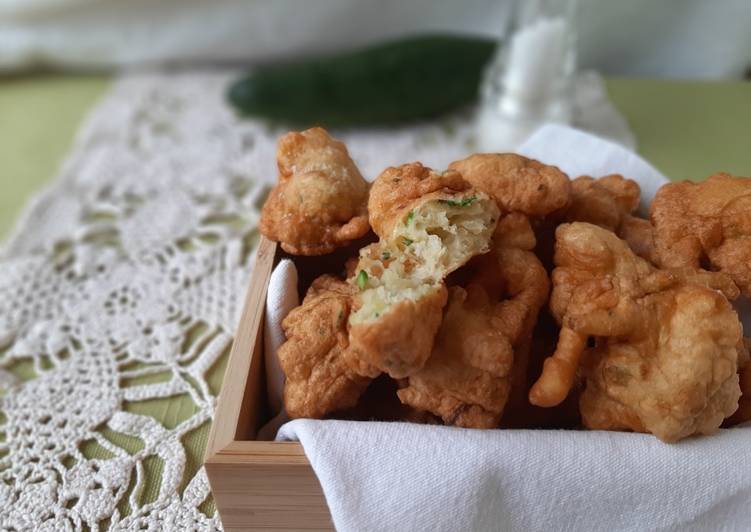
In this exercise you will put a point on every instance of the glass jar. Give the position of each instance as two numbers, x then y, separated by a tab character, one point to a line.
530	80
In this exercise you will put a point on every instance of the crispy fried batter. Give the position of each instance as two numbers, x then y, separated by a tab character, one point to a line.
665	359
400	340
639	234
430	224
603	201
706	224
320	201
515	231
468	378
516	183
679	379
318	379
396	190
610	203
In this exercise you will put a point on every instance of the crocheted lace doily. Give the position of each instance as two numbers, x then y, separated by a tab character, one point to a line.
119	294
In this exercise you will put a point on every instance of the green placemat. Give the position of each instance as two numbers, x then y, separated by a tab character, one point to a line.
688	130
38	120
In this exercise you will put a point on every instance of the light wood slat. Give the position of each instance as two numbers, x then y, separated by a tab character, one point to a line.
258	485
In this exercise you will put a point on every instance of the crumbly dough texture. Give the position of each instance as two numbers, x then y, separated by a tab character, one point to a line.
666	351
399	340
318	379
395	190
320	201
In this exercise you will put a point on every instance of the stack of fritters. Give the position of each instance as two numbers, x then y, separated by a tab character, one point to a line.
446	300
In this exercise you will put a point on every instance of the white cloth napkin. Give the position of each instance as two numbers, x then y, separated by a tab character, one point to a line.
281	297
401	476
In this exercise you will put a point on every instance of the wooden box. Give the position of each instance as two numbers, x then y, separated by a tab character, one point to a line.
258	485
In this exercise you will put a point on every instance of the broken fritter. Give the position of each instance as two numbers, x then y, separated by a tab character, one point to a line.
705	224
318	380
396	190
320	201
428	233
393	331
610	202
665	354
517	183
483	339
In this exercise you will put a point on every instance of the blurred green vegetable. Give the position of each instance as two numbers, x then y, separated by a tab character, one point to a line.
400	81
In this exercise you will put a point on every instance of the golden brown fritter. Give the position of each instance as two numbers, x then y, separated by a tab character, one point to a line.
427	230
679	379
396	190
706	224
665	358
639	234
399	340
603	201
610	203
516	183
318	380
320	201
468	377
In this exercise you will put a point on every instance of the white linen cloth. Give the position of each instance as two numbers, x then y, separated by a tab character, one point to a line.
402	476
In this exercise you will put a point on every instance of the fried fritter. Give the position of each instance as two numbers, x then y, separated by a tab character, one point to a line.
603	201
396	189
706	224
484	338
515	231
423	239
318	380
665	358
516	183
398	338
320	201
639	234
678	380
610	203
466	379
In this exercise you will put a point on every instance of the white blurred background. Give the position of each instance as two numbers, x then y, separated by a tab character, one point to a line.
645	38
